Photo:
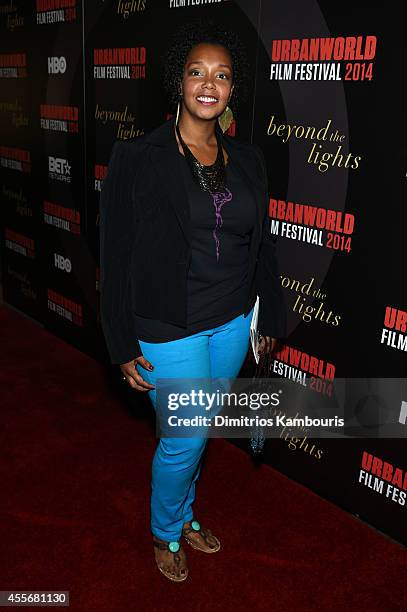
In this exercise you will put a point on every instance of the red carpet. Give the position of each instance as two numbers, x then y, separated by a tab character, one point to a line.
76	482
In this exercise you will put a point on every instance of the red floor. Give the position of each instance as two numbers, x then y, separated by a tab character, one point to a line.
75	506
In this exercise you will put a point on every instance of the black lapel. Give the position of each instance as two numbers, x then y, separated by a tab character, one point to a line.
166	162
164	157
245	163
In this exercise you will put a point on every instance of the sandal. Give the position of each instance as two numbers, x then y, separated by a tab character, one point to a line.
174	548
196	527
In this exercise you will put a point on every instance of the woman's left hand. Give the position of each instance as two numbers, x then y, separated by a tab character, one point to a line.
267	345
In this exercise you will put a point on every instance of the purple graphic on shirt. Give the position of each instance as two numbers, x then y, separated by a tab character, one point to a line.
219	199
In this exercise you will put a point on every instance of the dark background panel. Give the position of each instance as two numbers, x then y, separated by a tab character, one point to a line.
359	285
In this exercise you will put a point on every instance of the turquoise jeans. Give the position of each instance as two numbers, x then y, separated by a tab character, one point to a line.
216	352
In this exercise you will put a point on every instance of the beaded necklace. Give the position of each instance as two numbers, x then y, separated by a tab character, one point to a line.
209	178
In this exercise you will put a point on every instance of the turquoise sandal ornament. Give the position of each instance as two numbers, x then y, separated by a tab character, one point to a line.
173	547
195	526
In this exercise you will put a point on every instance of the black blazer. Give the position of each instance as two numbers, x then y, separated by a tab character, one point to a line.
145	239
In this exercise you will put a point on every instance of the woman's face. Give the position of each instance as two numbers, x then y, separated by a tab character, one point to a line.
207	82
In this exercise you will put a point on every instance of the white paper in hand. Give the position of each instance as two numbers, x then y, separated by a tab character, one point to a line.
254	334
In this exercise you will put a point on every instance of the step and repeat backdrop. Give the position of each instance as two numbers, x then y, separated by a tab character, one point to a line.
76	76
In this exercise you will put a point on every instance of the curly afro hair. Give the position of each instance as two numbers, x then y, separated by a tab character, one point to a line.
204	31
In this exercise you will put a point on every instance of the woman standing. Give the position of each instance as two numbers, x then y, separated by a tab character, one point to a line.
185	249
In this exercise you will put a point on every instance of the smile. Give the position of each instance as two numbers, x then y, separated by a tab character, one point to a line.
207	100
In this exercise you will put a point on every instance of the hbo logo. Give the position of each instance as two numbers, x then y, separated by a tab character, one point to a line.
56	65
63	263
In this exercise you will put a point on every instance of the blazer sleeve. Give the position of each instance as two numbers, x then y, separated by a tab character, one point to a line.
117	225
272	318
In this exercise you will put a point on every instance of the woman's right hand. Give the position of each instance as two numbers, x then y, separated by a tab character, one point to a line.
131	374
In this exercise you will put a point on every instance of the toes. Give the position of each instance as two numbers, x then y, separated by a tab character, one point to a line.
212	541
181	572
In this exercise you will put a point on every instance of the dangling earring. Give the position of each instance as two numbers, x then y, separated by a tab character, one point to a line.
225	119
178	105
176	118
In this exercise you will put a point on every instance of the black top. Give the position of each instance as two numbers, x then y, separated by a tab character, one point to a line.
148	275
221	224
